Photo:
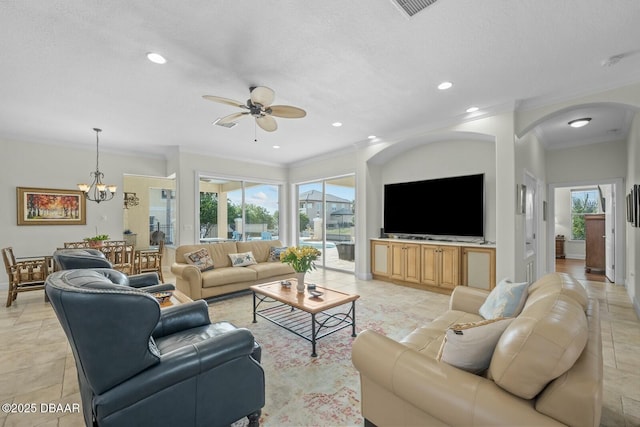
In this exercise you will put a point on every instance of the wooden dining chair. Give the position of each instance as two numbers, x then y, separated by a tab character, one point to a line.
150	260
76	245
28	274
114	242
120	255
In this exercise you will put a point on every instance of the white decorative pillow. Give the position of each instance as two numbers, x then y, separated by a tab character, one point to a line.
200	259
242	259
274	253
505	300
470	346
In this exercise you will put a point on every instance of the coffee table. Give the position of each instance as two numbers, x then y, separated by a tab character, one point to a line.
177	298
287	308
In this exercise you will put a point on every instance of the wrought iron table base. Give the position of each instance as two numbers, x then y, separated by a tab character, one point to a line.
295	320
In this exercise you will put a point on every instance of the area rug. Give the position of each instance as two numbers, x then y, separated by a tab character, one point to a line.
325	390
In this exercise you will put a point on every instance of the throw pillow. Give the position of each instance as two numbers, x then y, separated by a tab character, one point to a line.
274	253
200	259
505	300
242	259
470	346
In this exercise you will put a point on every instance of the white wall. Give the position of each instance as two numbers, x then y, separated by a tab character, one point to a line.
530	161
633	233
593	162
48	166
446	159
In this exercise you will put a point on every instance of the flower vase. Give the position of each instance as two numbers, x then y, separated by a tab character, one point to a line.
300	280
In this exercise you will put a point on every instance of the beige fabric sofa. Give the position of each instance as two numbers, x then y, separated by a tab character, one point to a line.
224	278
546	370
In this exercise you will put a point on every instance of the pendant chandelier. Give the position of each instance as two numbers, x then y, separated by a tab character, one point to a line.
97	191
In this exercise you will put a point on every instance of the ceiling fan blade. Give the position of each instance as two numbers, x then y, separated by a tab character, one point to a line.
231	118
224	101
267	123
287	111
262	95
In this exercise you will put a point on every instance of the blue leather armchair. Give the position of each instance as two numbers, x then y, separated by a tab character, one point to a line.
70	259
174	368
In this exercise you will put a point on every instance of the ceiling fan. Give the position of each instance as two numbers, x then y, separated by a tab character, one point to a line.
259	106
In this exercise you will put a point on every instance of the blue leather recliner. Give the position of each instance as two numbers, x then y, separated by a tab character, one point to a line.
139	365
70	259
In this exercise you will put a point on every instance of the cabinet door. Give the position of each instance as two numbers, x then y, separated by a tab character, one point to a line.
380	258
479	267
449	266
429	265
412	263
397	261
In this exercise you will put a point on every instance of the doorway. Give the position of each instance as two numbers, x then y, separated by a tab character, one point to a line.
573	208
154	210
326	220
576	268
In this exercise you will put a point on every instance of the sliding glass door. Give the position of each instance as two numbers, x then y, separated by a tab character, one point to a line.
326	220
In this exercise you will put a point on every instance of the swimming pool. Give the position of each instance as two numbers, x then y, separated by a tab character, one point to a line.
317	245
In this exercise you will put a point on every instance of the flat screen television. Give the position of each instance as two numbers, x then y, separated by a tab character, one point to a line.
444	207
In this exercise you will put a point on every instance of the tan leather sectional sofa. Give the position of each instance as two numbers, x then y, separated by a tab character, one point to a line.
546	370
223	278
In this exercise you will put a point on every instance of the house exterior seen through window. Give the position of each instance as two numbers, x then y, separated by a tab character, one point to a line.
583	201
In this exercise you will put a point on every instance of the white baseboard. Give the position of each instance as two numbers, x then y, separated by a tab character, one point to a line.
366	276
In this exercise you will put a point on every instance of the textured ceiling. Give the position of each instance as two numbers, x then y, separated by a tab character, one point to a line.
71	65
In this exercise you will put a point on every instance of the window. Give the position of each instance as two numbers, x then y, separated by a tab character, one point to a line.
260	210
238	210
162	215
583	201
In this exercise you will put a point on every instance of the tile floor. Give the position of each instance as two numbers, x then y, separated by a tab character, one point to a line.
37	366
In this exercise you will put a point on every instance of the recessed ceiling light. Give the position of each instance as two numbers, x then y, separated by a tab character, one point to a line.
472	109
445	85
336	124
276	146
156	58
578	123
372	137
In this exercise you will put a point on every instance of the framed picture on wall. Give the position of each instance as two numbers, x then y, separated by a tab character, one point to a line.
521	199
46	206
636	205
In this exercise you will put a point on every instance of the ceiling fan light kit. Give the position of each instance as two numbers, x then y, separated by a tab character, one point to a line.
259	106
224	124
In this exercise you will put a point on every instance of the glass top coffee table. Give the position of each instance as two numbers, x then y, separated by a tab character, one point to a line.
308	316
